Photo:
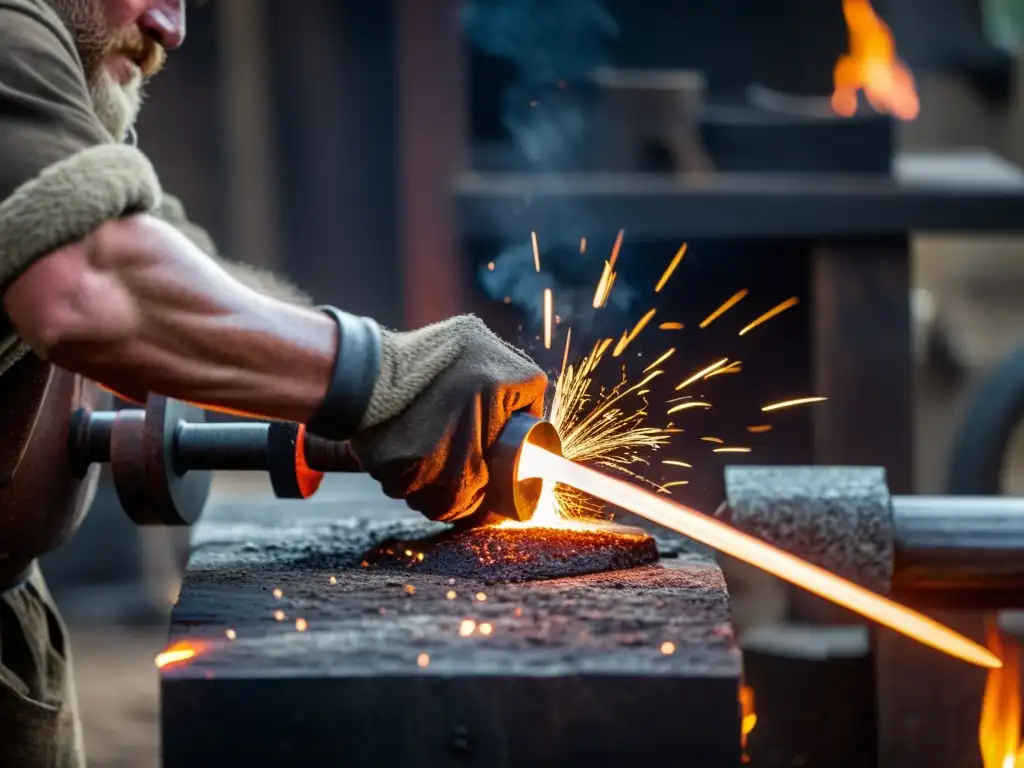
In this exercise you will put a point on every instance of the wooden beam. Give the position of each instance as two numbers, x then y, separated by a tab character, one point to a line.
431	146
252	183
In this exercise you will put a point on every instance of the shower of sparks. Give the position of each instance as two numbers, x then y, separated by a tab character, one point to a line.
778	309
671	268
791	403
731	302
548	314
610	427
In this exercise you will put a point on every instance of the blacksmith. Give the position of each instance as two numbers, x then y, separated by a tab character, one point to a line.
104	280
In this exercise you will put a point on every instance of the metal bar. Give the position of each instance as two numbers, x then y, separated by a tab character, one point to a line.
958	543
240	446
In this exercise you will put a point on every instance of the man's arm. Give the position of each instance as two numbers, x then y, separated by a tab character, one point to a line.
99	287
173	212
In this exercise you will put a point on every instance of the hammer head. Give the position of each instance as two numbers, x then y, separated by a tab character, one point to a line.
507	496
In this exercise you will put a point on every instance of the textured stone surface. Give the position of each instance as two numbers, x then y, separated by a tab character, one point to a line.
517	553
558	672
836	517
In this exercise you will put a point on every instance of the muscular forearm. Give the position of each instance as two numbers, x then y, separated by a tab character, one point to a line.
139	308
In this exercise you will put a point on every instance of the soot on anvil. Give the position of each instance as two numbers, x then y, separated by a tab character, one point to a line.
510	553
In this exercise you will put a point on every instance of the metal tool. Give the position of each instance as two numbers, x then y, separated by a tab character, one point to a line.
947	551
161	458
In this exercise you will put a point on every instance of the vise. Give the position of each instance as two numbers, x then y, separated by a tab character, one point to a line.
947	551
161	458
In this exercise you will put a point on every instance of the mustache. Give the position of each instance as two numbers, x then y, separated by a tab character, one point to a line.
148	54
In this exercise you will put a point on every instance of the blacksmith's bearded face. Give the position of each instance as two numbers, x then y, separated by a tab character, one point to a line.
122	44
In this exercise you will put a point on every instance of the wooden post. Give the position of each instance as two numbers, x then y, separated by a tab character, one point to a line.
252	183
431	145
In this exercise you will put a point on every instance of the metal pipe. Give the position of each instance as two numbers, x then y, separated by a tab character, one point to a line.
229	446
932	551
958	542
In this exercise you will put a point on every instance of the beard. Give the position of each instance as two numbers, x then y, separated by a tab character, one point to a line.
116	104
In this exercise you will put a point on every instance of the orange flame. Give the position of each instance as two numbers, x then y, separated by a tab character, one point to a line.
747	713
999	728
871	66
179	653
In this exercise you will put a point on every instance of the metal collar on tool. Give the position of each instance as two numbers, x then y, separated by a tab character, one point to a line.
356	369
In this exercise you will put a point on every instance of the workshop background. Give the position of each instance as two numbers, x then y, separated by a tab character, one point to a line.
340	142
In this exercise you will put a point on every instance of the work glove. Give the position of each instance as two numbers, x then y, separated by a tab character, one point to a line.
441	396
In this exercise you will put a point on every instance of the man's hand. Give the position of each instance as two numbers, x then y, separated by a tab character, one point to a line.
444	394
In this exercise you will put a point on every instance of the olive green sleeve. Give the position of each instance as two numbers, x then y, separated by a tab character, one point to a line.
173	212
61	174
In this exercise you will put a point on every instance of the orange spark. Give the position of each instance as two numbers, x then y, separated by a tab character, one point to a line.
668	648
615	248
718	440
674	483
791	403
604	286
660	360
565	354
535	462
734	367
758	429
671	268
671	327
536	251
628	338
583	245
871	66
467	627
178	653
776	310
674	463
688	406
423	660
549	309
702	373
999	728
734	449
731	302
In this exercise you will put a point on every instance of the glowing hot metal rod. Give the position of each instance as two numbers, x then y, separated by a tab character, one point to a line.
535	462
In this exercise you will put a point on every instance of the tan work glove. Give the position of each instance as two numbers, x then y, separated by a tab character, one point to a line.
443	395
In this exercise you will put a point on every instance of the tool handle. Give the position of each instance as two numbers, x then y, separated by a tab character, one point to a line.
329	455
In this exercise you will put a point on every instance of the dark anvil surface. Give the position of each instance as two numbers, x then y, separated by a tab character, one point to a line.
585	651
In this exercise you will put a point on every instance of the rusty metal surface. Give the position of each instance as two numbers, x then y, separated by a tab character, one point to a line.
571	670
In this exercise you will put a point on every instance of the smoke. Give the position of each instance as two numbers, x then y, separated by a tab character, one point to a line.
554	47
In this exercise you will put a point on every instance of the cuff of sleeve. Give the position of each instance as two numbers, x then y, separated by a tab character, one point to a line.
355	375
71	199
